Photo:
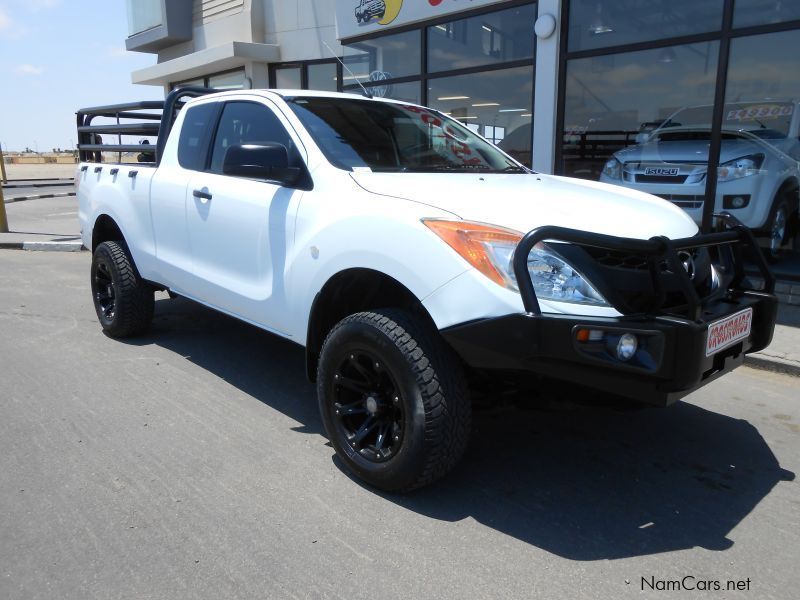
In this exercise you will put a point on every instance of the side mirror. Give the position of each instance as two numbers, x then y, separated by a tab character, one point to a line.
642	138
261	161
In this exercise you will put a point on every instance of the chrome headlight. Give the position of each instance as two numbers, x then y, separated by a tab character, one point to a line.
555	279
490	249
613	169
740	167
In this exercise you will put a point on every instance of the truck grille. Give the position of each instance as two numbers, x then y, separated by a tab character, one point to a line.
684	200
628	283
618	260
640	178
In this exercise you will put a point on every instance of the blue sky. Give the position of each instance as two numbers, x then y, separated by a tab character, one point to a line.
57	56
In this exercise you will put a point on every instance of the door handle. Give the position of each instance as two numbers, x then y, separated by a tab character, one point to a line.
204	196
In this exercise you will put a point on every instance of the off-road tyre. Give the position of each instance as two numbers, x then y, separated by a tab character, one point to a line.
125	308
431	403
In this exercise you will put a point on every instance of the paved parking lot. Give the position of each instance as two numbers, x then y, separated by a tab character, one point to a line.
47	219
191	463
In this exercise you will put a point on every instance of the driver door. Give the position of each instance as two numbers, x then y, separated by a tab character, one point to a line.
240	229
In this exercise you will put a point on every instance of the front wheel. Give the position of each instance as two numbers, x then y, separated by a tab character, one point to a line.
393	399
778	228
122	299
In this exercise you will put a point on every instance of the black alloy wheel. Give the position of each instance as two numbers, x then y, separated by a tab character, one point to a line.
368	407
123	301
393	399
104	293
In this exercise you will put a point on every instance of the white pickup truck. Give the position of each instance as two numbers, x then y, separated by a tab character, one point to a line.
410	257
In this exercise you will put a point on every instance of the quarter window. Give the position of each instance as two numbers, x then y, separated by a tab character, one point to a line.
193	142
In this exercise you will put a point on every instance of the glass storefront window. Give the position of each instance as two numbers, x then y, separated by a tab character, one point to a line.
322	77
234	80
288	78
496	104
600	23
501	36
407	92
143	15
759	169
199	82
763	12
643	120
387	57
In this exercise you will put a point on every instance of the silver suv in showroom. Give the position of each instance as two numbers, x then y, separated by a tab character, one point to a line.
759	173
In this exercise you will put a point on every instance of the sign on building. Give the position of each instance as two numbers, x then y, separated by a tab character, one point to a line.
357	17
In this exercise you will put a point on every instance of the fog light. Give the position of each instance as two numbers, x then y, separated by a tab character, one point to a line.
627	346
735	201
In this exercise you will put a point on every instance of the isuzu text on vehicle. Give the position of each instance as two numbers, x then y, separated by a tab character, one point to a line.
410	257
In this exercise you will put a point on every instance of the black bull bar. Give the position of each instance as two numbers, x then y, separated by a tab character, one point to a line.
730	239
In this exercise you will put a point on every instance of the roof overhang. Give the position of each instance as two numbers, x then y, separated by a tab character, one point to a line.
230	55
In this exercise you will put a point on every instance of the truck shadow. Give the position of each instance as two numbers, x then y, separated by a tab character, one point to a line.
592	484
584	483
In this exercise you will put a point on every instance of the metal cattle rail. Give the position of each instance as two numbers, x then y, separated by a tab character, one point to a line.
732	236
90	144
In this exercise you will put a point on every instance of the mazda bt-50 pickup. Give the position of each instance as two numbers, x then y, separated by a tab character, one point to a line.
410	257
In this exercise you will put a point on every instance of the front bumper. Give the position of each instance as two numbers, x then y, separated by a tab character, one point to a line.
671	361
691	197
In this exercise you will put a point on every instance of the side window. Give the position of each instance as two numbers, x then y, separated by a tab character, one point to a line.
248	123
193	142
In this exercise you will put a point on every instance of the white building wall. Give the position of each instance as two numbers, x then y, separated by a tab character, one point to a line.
301	28
206	11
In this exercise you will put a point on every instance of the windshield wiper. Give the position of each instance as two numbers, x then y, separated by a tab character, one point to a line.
463	167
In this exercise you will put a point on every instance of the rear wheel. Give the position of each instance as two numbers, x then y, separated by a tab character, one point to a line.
122	299
393	399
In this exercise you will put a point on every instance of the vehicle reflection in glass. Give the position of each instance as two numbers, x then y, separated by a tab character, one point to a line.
758	165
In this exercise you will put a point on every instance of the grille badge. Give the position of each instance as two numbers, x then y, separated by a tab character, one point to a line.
687	260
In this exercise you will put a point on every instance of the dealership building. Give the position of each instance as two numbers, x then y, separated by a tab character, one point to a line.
583	88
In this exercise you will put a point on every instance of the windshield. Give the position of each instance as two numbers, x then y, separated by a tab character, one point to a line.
396	138
767	120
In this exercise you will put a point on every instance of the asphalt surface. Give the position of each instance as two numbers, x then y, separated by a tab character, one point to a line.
190	463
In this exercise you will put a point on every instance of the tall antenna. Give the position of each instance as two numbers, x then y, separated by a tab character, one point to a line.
344	66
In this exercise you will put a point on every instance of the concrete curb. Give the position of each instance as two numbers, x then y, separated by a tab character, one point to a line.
776	364
38	179
75	246
53	183
38	197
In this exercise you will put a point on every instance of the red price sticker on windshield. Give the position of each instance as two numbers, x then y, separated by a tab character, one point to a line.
760	112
